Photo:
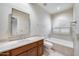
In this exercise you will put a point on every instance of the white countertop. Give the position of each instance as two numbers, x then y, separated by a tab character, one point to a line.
5	46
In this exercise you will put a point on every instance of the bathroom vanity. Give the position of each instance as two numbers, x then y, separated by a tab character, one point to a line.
24	48
16	45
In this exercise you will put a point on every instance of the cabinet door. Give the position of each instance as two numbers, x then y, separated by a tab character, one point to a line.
32	52
40	50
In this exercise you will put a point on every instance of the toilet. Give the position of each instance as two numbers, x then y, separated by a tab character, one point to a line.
48	46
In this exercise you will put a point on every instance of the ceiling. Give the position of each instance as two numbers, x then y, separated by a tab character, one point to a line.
53	8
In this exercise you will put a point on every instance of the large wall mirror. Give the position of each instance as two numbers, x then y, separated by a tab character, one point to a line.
19	23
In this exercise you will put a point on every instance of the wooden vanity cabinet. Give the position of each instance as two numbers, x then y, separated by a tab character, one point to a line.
32	49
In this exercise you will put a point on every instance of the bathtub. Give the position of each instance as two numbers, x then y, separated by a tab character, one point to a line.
62	46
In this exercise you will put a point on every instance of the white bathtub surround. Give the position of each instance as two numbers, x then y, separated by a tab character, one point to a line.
62	46
62	36
5	46
61	42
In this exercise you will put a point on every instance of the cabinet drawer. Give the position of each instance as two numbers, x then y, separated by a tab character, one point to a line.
40	42
22	49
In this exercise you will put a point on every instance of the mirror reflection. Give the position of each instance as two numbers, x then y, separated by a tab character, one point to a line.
19	22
